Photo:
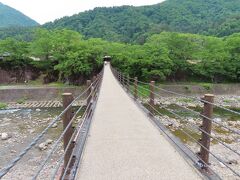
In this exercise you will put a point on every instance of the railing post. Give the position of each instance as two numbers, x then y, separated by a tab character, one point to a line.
151	95
135	88
127	84
88	91
93	79
123	80
94	87
120	78
89	95
97	86
68	115
207	127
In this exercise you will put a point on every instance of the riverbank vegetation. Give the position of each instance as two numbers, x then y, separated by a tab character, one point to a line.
67	56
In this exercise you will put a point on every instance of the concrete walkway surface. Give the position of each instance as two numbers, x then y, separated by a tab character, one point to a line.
124	145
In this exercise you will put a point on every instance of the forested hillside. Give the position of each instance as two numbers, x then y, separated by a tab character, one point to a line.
160	48
11	17
135	24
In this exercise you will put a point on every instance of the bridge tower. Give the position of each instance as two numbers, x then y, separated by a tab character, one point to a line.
107	58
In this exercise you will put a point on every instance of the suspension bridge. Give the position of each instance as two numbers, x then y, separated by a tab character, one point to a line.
119	136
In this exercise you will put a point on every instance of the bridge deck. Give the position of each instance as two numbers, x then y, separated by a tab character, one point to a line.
124	144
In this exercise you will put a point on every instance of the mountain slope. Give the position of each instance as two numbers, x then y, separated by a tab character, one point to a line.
129	24
11	17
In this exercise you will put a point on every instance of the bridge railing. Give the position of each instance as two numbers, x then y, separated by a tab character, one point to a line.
72	132
148	93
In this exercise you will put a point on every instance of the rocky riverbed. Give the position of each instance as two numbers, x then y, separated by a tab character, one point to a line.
18	127
187	122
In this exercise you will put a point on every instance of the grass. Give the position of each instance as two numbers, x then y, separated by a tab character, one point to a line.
227	100
184	137
184	114
223	113
3	105
142	90
186	100
21	100
207	86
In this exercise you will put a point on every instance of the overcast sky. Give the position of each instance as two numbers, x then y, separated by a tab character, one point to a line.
48	10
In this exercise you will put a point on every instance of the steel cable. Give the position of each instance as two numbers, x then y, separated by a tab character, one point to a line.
7	168
197	113
201	144
69	143
196	127
85	114
190	97
78	128
181	131
58	140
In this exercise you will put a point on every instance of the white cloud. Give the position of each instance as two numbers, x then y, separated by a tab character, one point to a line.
49	10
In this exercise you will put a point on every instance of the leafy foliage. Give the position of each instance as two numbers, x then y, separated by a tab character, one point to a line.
65	55
3	105
17	32
176	56
136	24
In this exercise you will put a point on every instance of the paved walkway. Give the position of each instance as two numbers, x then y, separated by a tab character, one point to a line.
124	145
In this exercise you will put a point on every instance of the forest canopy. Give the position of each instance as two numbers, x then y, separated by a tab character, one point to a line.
135	24
68	56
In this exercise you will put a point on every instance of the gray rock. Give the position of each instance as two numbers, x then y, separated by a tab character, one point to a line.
31	131
42	146
167	103
13	151
54	125
49	141
191	120
192	105
4	136
217	120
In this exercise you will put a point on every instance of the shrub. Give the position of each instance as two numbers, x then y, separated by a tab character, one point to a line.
3	105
